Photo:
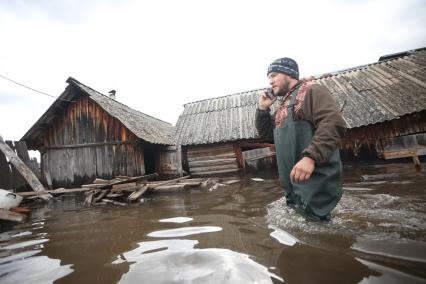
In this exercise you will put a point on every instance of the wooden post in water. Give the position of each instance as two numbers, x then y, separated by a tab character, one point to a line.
26	173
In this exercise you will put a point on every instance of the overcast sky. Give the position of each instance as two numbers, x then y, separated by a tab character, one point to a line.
159	55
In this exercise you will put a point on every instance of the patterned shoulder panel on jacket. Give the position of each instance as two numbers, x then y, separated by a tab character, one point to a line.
281	113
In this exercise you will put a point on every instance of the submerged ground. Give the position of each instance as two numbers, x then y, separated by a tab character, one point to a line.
240	233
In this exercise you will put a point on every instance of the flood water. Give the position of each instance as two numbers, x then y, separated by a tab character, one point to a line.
239	233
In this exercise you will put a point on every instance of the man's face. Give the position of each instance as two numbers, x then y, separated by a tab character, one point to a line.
279	82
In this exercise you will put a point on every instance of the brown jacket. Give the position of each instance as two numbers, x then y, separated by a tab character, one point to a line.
315	104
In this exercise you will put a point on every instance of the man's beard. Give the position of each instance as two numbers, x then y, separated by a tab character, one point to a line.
284	90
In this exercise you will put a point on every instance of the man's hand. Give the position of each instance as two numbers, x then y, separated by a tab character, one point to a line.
264	101
302	170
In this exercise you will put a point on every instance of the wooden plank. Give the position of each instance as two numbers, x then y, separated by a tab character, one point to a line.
214	168
123	185
114	202
101	195
256	145
134	179
212	162
94	144
399	154
138	193
101	181
170	188
55	191
167	182
209	149
213	157
215	172
23	169
114	195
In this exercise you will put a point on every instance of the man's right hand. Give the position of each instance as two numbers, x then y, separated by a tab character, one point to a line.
264	101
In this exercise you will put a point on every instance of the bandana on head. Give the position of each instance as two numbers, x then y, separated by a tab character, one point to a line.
286	66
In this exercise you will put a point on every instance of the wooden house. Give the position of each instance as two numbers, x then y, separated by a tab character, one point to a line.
86	135
383	103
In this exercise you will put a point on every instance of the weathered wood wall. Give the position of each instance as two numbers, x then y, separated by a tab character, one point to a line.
260	159
212	160
85	142
371	134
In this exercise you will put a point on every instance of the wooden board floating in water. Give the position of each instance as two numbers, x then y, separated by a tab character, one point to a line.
122	190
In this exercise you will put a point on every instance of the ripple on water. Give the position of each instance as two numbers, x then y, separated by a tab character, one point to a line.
356	215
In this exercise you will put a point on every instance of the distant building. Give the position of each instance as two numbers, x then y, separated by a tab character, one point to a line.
383	103
85	135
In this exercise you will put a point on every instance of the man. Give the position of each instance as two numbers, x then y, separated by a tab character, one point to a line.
307	128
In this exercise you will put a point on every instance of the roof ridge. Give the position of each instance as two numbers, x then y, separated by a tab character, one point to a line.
401	54
234	94
73	80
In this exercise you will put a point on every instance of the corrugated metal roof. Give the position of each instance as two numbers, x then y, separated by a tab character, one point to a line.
146	127
370	94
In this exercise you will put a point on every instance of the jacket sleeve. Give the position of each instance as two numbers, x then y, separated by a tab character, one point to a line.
322	110
264	124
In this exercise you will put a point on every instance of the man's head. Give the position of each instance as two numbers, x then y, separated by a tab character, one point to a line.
286	66
283	73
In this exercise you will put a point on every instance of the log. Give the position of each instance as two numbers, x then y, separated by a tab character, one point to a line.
26	173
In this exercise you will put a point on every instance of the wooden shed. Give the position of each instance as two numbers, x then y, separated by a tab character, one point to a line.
383	103
86	135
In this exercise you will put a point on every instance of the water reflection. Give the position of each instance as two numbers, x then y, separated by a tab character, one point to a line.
176	220
180	232
176	261
376	236
21	261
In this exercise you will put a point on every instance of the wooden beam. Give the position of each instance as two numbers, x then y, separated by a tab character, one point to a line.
212	162
91	144
211	157
255	145
26	173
